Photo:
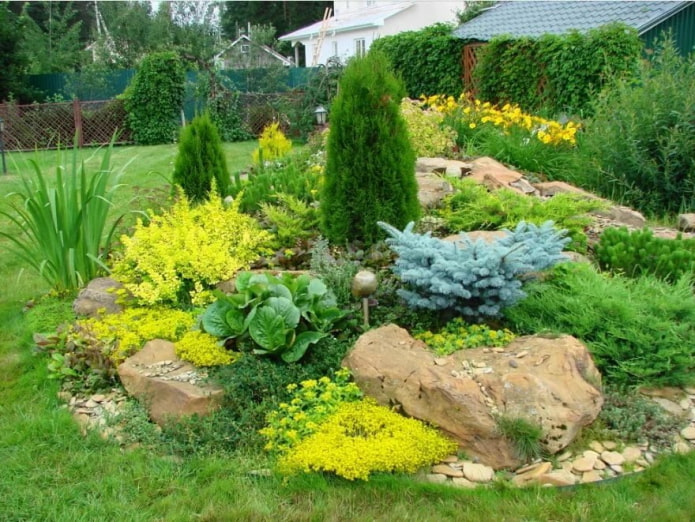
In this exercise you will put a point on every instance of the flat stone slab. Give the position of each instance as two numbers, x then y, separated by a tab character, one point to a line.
168	387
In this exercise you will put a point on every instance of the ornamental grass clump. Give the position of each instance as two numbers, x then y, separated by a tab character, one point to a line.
311	402
63	232
180	255
362	438
459	335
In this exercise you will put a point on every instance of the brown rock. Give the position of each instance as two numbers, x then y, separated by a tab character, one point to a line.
524	187
492	173
550	188
623	215
461	482
558	477
164	396
686	222
590	476
612	458
478	472
451	168
432	189
397	370
631	454
97	297
688	433
532	474
445	469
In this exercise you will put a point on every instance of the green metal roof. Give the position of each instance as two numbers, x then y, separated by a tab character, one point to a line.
535	18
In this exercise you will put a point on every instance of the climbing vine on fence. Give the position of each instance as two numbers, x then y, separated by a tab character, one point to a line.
557	72
154	98
428	61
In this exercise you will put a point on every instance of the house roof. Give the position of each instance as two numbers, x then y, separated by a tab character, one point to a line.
533	18
373	16
244	37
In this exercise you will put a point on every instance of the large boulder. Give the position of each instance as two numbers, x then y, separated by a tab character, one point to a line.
168	387
551	382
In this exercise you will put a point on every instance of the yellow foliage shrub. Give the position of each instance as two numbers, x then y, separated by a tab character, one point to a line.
361	438
180	255
428	135
272	144
202	349
125	333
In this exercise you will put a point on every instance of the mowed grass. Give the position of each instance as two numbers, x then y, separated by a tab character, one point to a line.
50	472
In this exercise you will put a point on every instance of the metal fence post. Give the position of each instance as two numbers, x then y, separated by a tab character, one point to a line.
77	112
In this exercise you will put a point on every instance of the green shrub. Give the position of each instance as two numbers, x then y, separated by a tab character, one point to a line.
574	67
293	177
639	331
290	219
428	61
473	207
63	232
272	145
639	145
334	270
154	98
370	170
639	252
200	160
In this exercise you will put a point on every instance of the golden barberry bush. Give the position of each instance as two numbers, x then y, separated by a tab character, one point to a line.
178	256
362	438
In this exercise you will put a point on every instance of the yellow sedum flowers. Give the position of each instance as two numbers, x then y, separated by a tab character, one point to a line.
361	438
181	254
458	335
202	349
125	333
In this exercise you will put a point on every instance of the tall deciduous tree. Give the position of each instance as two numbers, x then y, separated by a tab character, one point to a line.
284	16
370	171
13	61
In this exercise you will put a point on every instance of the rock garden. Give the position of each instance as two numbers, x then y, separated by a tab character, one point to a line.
388	298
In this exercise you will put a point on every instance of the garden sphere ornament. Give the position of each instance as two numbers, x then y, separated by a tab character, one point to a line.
363	285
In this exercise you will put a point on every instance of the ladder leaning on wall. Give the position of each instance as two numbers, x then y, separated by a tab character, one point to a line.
321	36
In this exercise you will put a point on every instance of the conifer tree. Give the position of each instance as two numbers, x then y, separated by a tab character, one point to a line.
200	159
370	170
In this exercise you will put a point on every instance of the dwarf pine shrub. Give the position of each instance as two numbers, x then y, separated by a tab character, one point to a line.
200	160
639	331
639	252
476	279
370	169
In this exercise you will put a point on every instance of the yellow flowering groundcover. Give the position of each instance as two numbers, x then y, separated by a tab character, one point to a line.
312	401
361	438
458	335
203	349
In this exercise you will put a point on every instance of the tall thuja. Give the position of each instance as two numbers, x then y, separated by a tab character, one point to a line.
475	278
370	169
200	160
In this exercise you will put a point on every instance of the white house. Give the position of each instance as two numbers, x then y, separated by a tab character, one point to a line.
355	24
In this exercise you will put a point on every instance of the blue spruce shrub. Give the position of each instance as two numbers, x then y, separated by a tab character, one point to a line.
475	278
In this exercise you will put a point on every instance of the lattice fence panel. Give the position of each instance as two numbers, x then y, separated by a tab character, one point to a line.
470	59
259	110
52	125
38	126
101	119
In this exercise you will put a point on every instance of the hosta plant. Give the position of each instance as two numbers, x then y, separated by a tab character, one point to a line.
282	315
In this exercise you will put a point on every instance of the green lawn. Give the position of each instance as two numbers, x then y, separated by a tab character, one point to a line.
49	471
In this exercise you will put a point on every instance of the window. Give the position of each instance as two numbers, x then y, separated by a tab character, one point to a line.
335	48
245	48
360	47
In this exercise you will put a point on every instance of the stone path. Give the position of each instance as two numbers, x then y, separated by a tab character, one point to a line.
599	461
